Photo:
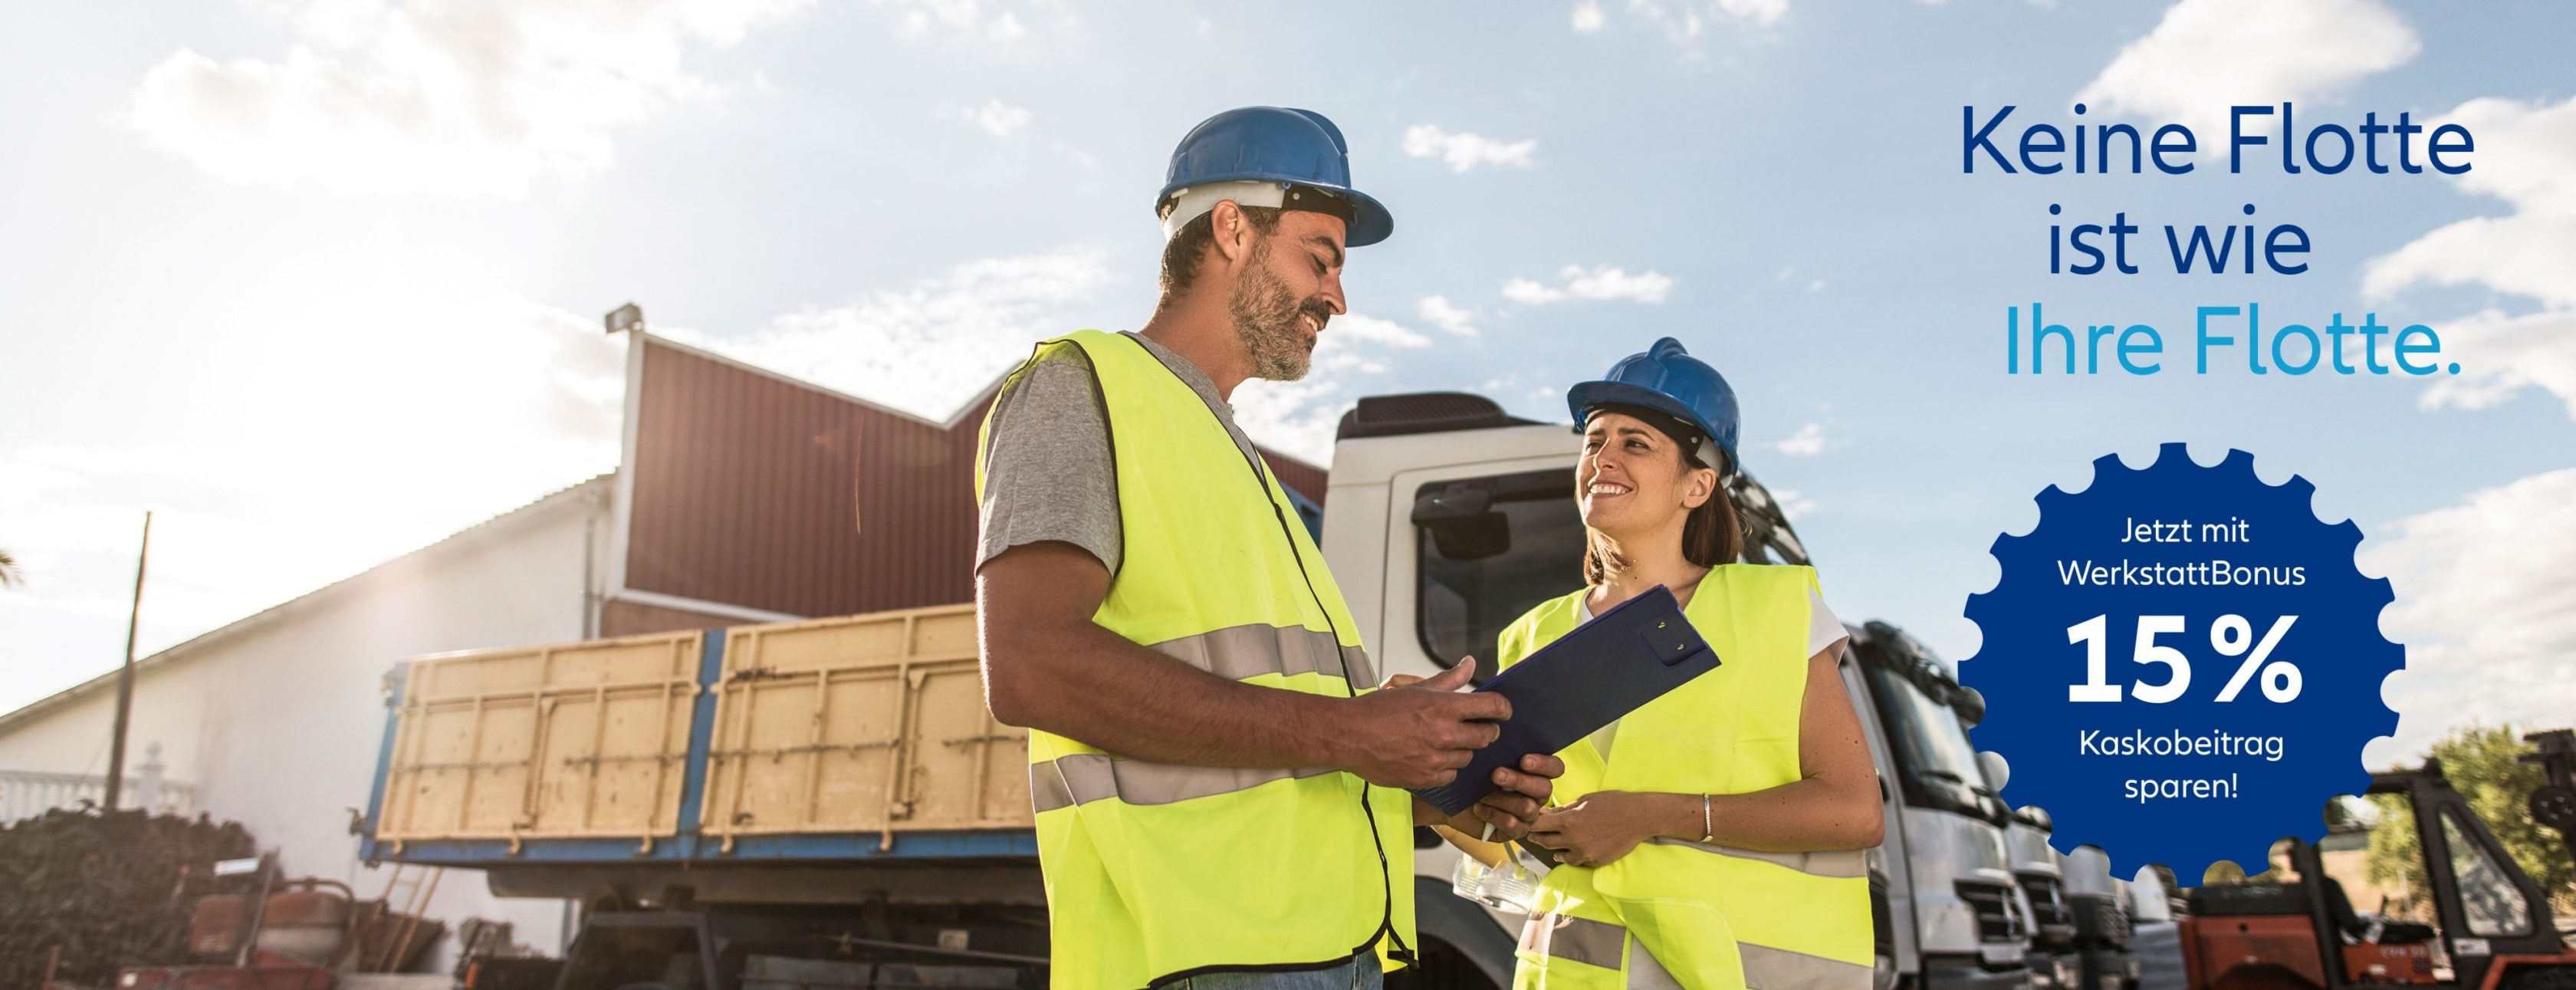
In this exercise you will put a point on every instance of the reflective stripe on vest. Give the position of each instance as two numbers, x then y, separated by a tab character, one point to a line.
1583	940
1245	652
1155	870
1082	778
1832	863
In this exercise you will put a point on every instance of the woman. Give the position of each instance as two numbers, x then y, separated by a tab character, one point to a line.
1714	837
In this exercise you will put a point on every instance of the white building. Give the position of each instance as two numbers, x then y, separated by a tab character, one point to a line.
267	721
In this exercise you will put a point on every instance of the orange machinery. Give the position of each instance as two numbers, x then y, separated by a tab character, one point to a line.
2496	927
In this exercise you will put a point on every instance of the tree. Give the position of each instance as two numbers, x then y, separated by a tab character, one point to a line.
2482	765
10	576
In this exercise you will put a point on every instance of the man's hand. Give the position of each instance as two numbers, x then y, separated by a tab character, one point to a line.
1510	811
1603	826
1416	734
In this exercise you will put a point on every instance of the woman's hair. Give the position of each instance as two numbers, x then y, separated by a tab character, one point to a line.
1711	536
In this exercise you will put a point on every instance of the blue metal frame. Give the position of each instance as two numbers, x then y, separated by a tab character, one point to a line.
401	678
688	846
702	736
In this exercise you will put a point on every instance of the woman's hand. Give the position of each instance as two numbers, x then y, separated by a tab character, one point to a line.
1508	812
1602	827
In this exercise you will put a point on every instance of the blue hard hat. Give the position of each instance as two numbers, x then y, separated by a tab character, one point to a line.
1275	144
1667	380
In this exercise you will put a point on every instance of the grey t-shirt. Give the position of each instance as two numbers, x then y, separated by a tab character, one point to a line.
1050	474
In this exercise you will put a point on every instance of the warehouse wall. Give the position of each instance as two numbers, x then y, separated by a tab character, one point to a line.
278	724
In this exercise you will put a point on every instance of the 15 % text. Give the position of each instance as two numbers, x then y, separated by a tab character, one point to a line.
2230	635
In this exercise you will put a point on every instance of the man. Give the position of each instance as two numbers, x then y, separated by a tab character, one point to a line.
1213	777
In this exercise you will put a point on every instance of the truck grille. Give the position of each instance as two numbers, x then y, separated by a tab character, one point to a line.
2049	912
2102	920
1998	920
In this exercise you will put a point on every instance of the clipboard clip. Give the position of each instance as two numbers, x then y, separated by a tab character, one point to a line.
1672	640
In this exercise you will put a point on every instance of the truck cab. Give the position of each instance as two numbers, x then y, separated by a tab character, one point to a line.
2105	922
2054	963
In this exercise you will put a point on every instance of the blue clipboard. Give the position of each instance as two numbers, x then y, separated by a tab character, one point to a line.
1588	678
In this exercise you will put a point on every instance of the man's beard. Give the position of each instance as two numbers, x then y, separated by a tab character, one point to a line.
1267	316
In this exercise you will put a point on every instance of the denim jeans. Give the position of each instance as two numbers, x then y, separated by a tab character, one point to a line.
1360	973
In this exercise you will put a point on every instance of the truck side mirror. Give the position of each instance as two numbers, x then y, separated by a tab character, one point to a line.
1463	522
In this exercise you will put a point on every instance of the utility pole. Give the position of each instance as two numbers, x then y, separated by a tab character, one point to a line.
125	676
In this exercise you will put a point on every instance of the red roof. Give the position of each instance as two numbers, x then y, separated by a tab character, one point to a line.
756	490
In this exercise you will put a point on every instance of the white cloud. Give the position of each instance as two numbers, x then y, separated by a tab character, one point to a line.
1588	16
1599	282
2207	55
2477	608
1463	151
974	21
308	451
1686	20
1354	328
995	117
1793	505
2501	355
2526	156
1299	417
1528	293
1809	441
1439	312
445	97
927	348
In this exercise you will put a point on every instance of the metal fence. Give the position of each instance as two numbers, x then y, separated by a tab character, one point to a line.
28	793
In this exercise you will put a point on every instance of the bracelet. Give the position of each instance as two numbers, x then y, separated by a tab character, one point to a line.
1707	831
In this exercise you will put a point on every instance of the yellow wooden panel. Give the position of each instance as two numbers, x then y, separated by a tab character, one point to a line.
872	723
575	740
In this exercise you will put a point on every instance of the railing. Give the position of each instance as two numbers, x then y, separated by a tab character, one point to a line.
28	793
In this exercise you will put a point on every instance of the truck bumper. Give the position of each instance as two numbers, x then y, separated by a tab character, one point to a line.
1966	973
2110	969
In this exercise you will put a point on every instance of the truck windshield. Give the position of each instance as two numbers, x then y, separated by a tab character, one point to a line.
1484	571
1934	760
1490	548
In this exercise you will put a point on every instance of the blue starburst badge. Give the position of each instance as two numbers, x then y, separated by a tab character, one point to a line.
2182	663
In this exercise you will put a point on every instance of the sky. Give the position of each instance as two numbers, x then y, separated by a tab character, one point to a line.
319	281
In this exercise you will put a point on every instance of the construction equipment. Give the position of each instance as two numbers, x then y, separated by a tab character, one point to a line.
274	939
2494	929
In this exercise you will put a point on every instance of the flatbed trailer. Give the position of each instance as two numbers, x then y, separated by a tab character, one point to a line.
723	803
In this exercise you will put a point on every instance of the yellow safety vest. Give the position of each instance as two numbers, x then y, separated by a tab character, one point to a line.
1677	913
1155	870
